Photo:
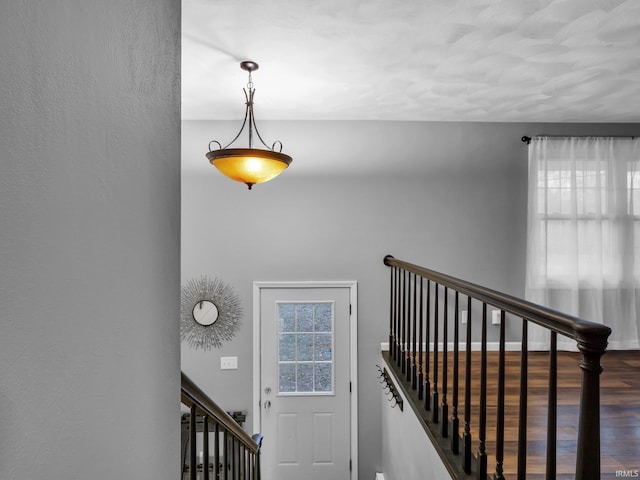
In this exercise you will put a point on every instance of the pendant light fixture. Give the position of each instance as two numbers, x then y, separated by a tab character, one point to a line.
249	165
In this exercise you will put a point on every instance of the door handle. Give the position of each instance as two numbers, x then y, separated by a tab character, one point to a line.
267	405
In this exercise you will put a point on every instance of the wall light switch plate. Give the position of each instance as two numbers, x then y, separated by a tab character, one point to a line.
228	363
463	316
495	317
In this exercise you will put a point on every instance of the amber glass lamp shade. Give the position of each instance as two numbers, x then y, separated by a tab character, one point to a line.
249	165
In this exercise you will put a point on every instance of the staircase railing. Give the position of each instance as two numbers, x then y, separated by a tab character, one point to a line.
236	455
419	325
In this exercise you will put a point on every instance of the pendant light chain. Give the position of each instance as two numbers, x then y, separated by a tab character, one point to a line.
250	109
250	82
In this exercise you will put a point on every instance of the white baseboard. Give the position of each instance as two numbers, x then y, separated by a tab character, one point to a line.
379	476
475	346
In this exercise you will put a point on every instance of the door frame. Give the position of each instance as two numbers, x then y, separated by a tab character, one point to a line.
353	353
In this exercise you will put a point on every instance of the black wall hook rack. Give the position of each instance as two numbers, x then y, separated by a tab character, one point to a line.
391	390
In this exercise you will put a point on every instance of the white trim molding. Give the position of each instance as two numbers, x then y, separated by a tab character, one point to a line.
475	346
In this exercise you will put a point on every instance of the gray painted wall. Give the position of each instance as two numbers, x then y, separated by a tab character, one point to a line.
89	239
456	204
407	451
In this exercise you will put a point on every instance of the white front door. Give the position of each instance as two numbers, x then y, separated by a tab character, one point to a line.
305	390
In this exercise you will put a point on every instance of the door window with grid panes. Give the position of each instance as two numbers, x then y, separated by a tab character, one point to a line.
305	348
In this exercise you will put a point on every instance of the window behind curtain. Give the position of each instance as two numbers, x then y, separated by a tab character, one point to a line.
583	249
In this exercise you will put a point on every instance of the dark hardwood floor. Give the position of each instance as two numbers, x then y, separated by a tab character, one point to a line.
620	411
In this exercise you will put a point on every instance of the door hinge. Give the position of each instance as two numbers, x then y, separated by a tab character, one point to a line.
350	465
349	309
349	387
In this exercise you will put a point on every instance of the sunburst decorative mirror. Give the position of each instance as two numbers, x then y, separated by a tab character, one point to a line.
209	313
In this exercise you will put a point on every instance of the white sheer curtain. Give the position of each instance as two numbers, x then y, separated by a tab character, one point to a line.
583	244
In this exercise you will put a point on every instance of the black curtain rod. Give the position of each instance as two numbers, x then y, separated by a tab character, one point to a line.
527	139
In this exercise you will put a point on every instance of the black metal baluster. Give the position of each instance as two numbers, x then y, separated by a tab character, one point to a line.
225	454
252	466
399	336
455	423
216	452
408	345
403	326
396	313
435	412
256	461
232	463
420	338
553	408
192	444
482	424
205	447
466	436
247	463
499	475
414	378
522	414
236	458
445	365
427	383
240	460
391	310
396	353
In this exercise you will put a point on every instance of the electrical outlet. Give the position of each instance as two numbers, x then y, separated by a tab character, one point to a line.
495	317
463	316
228	363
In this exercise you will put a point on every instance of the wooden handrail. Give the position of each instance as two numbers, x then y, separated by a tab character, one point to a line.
407	319
589	335
193	395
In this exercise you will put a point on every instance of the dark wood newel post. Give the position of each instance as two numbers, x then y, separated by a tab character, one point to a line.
592	345
395	311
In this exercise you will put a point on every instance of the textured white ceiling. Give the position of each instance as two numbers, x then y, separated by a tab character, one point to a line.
436	60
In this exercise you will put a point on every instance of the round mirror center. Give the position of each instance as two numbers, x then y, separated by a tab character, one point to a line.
205	313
